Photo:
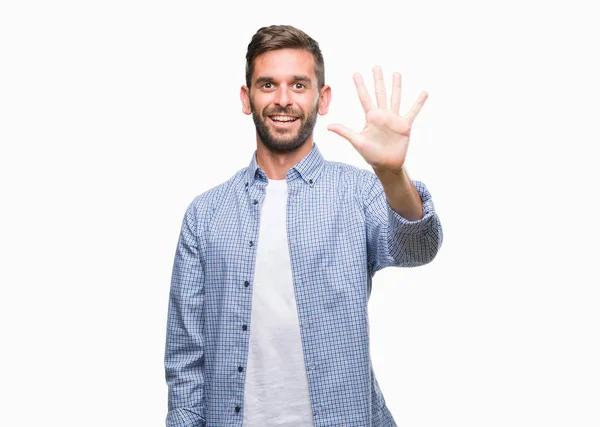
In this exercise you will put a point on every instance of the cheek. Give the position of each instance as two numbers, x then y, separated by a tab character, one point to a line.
310	106
257	101
261	106
262	98
312	103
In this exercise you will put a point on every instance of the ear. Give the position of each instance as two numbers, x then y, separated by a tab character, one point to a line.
324	100
245	98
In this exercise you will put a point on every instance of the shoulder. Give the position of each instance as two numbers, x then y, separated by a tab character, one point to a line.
203	206
349	174
357	181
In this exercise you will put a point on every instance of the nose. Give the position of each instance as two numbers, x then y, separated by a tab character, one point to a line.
283	97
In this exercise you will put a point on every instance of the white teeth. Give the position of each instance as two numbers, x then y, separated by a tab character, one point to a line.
283	118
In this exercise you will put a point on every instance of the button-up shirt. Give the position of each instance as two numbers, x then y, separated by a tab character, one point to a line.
341	230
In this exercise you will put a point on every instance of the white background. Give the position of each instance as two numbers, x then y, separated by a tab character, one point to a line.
114	115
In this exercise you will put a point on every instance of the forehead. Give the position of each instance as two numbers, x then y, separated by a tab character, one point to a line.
284	63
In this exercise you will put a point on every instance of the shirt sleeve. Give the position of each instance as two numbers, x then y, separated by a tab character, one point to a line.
392	240
184	351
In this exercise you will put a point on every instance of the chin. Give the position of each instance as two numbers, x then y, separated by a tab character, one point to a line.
283	146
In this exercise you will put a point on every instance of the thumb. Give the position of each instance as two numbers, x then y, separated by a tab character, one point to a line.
344	132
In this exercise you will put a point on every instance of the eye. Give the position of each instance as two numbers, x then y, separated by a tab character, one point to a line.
267	85
299	85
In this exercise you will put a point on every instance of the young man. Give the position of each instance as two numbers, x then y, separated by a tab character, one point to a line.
268	322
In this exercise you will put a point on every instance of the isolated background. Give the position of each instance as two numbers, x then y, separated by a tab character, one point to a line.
114	115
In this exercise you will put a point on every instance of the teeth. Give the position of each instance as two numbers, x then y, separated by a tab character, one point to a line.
283	118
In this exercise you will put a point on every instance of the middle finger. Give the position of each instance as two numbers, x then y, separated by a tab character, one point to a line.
379	88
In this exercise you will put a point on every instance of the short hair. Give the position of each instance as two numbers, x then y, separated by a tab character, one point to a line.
277	37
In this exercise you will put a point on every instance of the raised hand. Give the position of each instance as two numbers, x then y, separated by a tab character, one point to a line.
383	142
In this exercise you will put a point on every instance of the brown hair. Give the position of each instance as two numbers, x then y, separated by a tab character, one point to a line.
283	37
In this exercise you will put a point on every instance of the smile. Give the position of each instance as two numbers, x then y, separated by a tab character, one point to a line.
283	121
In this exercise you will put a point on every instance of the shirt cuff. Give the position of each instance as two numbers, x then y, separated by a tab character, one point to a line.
184	418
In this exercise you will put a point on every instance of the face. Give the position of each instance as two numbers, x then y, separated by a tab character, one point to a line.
284	99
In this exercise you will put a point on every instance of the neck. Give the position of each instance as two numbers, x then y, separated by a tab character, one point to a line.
276	165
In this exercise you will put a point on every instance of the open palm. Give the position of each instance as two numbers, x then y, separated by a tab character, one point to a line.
383	142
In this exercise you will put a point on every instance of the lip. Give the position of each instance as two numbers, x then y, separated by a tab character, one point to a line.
285	125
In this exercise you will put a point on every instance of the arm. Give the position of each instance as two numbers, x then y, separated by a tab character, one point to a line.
393	240
402	227
401	193
184	351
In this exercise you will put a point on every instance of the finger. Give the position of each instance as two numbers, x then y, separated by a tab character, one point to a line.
379	88
396	91
363	94
344	132
412	114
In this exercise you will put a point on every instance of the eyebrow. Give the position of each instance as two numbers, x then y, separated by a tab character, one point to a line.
298	78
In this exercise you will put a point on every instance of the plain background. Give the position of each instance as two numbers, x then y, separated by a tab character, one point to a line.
114	115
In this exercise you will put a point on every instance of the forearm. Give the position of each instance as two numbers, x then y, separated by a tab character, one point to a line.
184	351
400	193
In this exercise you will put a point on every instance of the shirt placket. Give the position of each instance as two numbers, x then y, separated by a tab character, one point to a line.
298	192
255	195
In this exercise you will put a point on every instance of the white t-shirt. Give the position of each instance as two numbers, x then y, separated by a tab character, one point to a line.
276	389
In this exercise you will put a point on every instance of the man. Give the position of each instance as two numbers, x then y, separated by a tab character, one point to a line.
268	321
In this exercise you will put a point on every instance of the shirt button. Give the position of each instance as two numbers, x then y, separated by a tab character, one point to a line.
255	201
244	327
237	409
246	283
251	243
240	368
310	181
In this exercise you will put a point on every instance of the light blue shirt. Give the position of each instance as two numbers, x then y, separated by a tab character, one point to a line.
341	230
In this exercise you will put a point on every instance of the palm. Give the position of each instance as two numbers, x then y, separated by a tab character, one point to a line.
383	142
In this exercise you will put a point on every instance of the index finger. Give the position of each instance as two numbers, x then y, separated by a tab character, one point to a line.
363	94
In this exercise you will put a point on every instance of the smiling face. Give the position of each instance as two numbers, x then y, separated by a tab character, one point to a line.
284	99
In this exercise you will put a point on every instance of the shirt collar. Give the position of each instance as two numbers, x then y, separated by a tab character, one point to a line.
308	168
